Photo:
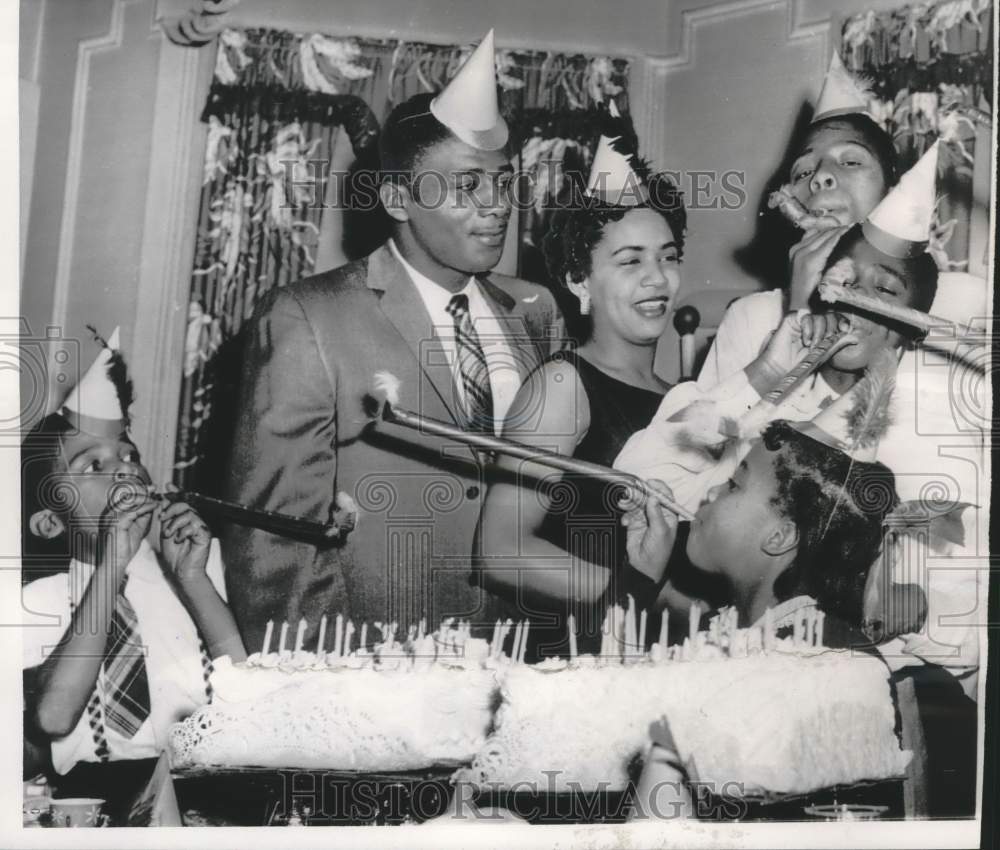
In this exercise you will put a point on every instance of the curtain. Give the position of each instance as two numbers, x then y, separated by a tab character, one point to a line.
930	66
278	109
276	106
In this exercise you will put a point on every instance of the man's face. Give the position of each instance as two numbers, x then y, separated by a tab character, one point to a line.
878	276
93	466
730	528
459	205
837	174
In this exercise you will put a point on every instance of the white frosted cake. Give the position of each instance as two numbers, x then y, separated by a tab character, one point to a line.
428	702
751	714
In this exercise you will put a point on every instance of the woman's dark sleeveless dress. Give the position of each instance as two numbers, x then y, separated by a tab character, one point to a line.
584	519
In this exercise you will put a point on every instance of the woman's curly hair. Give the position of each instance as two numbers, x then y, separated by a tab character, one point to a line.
839	506
576	230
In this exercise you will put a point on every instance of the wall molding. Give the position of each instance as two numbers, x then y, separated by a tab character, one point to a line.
650	72
694	19
167	250
86	49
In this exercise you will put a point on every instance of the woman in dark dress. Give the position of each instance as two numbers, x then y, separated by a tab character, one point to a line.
553	544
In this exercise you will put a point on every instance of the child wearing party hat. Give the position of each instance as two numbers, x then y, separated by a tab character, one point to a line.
834	175
884	257
118	637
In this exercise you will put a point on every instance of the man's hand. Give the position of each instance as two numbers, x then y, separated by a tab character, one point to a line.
807	259
650	530
185	541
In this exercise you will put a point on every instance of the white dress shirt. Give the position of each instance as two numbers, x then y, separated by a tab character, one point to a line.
505	379
173	654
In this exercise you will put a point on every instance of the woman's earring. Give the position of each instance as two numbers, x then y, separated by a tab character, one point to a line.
584	303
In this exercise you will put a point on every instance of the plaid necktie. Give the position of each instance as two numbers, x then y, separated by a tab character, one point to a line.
472	367
126	693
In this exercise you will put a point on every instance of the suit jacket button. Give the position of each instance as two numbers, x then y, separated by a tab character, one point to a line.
472	492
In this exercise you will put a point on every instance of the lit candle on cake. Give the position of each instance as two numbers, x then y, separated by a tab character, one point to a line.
348	634
571	628
693	617
664	627
524	641
364	637
282	638
300	635
641	648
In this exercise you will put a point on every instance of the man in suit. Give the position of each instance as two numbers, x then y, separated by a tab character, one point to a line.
303	433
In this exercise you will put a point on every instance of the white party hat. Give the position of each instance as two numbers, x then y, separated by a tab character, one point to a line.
99	403
842	94
612	178
468	106
901	223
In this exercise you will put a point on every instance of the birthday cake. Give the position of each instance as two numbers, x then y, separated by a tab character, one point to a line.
750	714
426	701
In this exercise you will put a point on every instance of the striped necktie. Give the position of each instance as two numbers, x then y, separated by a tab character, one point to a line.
126	693
472	367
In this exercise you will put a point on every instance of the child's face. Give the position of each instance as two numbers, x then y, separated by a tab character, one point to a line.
879	276
93	466
838	174
731	526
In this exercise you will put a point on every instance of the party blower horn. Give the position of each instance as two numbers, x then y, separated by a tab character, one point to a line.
129	492
385	398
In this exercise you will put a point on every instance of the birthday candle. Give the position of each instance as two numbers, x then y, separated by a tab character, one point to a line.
348	634
630	628
604	635
268	632
524	641
693	621
283	637
423	627
571	628
664	627
320	648
518	637
338	636
300	634
820	617
620	630
642	633
364	636
495	643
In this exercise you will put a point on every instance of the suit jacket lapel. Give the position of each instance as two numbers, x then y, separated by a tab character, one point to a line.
402	305
516	321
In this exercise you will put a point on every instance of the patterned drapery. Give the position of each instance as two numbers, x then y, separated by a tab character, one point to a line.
277	105
930	66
